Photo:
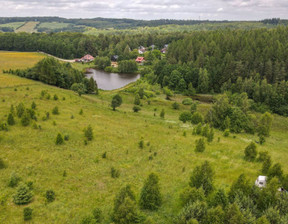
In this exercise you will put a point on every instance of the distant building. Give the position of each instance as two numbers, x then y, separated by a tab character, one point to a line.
86	58
261	181
141	50
164	49
140	60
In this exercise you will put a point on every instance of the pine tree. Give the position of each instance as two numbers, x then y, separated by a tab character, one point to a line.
137	100
266	165
23	195
33	106
50	195
26	118
10	119
251	152
150	197
20	109
210	135
200	145
27	213
89	133
162	114
59	139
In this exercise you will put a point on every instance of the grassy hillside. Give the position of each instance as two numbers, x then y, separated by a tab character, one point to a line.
28	27
34	156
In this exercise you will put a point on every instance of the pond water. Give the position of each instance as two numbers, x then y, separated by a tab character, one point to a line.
110	81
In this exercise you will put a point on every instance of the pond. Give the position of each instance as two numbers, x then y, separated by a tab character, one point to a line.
110	81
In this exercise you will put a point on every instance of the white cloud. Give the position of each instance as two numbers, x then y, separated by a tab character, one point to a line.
149	9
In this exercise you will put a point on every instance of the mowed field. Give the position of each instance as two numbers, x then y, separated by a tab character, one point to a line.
34	156
28	27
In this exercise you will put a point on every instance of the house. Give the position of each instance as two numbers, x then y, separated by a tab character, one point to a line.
141	50
140	59
87	58
163	50
261	181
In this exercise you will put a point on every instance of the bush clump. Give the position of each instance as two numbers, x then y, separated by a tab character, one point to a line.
23	195
187	101
27	214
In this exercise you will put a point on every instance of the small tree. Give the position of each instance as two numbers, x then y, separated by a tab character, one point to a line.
78	88
150	197
137	100
185	116
27	213
25	119
210	136
50	196
167	92
20	109
200	145
55	110
89	133
59	139
162	114
10	119
265	124
33	106
55	97
251	152
202	176
190	195
196	118
115	173
276	171
175	106
136	109
116	101
23	195
266	165
14	180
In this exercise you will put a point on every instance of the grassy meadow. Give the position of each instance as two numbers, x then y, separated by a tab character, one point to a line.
34	156
28	27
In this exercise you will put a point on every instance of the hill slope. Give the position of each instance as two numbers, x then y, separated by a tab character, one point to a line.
34	156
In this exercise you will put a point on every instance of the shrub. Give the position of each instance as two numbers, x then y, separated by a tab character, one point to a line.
226	133
193	108
81	112
141	144
196	118
192	212
50	196
26	118
137	100
59	139
205	131
10	119
187	101
276	171
162	114
23	195
263	156
89	133
251	152
14	180
175	106
55	97
55	110
115	173
210	136
136	109
200	145
27	213
66	137
202	176
20	109
104	155
190	195
116	101
198	129
33	106
266	165
185	116
150	197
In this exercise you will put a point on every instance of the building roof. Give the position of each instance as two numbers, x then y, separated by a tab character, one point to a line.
88	57
140	59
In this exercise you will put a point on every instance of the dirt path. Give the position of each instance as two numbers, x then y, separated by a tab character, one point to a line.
60	59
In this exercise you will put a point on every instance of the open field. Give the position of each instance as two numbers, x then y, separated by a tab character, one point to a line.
33	155
12	25
28	27
53	25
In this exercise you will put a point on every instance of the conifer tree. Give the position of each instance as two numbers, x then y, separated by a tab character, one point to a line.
200	145
137	100
89	133
10	119
25	120
150	197
59	139
251	152
23	195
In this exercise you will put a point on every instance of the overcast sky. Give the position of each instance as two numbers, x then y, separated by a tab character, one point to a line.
148	9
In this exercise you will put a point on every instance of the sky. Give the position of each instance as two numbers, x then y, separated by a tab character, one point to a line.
148	9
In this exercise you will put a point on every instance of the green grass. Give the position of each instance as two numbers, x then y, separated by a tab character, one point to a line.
14	25
28	27
34	155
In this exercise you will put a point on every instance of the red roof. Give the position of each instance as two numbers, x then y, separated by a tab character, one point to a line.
88	57
139	59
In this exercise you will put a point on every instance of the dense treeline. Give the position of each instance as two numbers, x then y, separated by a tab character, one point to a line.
73	45
53	72
103	23
255	62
